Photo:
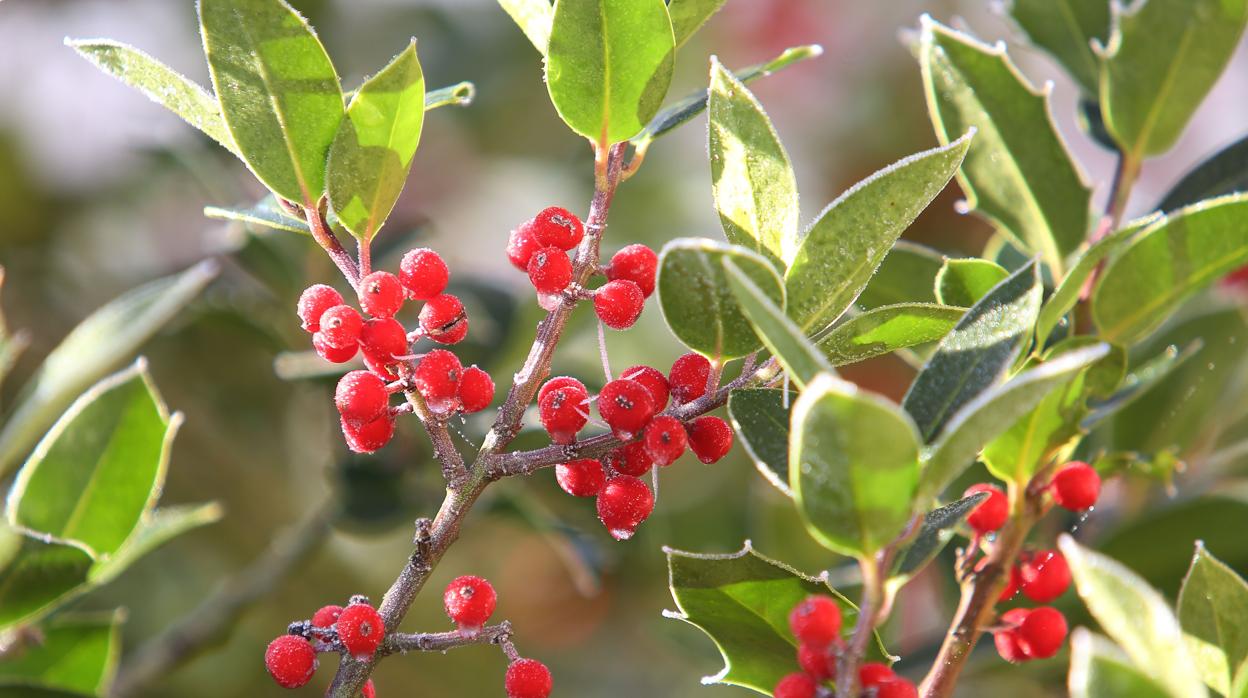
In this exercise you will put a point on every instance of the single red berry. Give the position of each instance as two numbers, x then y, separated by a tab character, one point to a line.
619	304
522	244
382	339
653	379
563	412
816	621
326	616
381	294
623	504
558	227
991	513
795	685
361	397
476	390
1076	486
896	687
423	274
630	459
1006	638
1013	581
437	377
1044	576
550	270
818	662
874	673
369	691
527	678
636	263
443	319
665	439
313	303
366	438
341	326
626	406
291	661
583	477
560	382
1042	632
710	438
334	355
469	602
688	377
361	630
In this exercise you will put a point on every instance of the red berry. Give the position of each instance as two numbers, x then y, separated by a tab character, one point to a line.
423	274
369	691
437	377
991	513
630	459
1042	632
1076	486
341	326
1013	581
369	437
623	504
581	478
563	412
896	687
816	621
795	686
382	339
443	319
665	439
626	406
522	244
291	661
527	678
818	662
326	616
333	355
361	630
550	270
1044	576
653	379
710	438
383	370
381	294
636	263
476	390
361	397
469	602
618	304
558	227
560	382
1006	642
688	377
313	303
874	673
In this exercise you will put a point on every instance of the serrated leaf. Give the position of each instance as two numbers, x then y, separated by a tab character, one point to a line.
608	65
1135	616
534	18
962	282
688	16
1017	173
372	152
887	329
1226	172
907	275
751	176
1162	59
760	417
280	96
1066	29
978	351
699	305
159	83
96	346
935	532
851	237
854	466
800	359
154	530
1099	669
36	575
1168	262
1213	604
75	654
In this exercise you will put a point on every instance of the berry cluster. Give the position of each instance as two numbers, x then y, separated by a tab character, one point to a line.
816	623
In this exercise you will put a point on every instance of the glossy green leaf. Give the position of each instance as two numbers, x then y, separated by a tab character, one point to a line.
1226	172
800	359
851	237
854	466
609	65
280	96
1168	262
1017	173
36	575
688	16
935	532
887	329
1162	59
154	530
962	282
266	213
1212	608
1135	616
1066	29
907	275
108	337
1099	669
978	351
699	305
372	153
78	654
534	18
159	83
760	417
751	176
1139	381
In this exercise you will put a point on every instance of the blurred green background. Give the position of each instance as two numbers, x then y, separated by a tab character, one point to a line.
101	190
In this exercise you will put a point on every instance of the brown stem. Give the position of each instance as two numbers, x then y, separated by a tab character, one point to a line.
869	614
324	236
397	643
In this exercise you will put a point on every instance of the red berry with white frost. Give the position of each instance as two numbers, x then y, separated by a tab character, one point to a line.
636	263
796	685
361	397
381	294
1042	632
665	439
369	690
618	304
369	437
623	504
563	411
1076	486
896	687
291	661
437	378
560	382
361	630
710	438
1044	576
630	459
313	303
558	227
522	244
874	674
991	513
423	274
341	326
550	270
443	319
816	621
326	616
583	477
476	390
818	662
688	377
527	678
653	379
382	339
469	602
335	355
626	406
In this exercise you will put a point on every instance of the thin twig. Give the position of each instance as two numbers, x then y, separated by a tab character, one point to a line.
399	643
324	236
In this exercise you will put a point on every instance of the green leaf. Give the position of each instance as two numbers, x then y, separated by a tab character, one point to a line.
372	153
978	351
851	237
854	466
534	18
11	345
688	16
75	654
1213	605
154	530
1018	173
36	576
95	347
699	305
461	94
1135	616
1239	689
100	467
1224	173
936	531
280	96
751	176
1099	669
609	65
887	329
159	83
1066	29
963	282
907	275
1162	59
800	359
1167	263
760	417
265	213
1140	381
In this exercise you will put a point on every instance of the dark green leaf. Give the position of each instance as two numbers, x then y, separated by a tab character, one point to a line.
887	329
534	18
934	534
1066	29
1224	173
1213	605
907	275
760	416
154	530
800	359
1138	382
962	282
1099	669
36	575
75	654
689	15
